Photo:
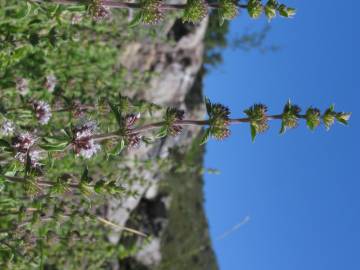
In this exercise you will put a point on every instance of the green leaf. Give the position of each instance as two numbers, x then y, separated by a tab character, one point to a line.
54	148
208	106
205	137
162	132
5	145
28	163
137	20
282	129
85	176
56	143
117	114
253	132
118	148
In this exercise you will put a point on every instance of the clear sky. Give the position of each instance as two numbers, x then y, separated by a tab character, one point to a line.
300	190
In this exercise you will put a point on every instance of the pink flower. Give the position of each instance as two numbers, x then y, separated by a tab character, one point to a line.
83	143
42	111
23	142
34	157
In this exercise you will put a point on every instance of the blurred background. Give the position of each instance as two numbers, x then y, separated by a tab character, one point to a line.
288	201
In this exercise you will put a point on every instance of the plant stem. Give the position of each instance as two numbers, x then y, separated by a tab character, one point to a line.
44	183
156	125
127	5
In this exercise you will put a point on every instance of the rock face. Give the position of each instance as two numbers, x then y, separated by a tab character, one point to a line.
178	83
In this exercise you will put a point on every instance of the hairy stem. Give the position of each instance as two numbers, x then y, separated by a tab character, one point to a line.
127	5
157	125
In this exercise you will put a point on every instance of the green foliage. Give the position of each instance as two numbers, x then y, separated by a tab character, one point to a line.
66	128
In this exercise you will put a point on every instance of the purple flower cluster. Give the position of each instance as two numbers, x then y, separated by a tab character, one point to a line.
134	139
83	142
42	111
23	143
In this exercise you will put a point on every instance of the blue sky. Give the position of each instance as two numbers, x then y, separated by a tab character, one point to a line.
300	190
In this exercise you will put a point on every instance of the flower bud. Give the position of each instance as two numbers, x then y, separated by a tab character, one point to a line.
257	118
329	117
98	11
289	117
173	115
131	119
343	117
218	120
195	11
254	8
228	9
312	118
286	11
151	11
270	9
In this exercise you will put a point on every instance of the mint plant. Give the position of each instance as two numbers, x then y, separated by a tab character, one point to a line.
153	11
68	135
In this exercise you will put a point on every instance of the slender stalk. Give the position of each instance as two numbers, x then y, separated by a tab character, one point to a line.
127	5
44	183
156	125
108	222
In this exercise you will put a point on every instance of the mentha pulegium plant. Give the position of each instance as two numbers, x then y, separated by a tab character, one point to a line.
85	138
153	11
